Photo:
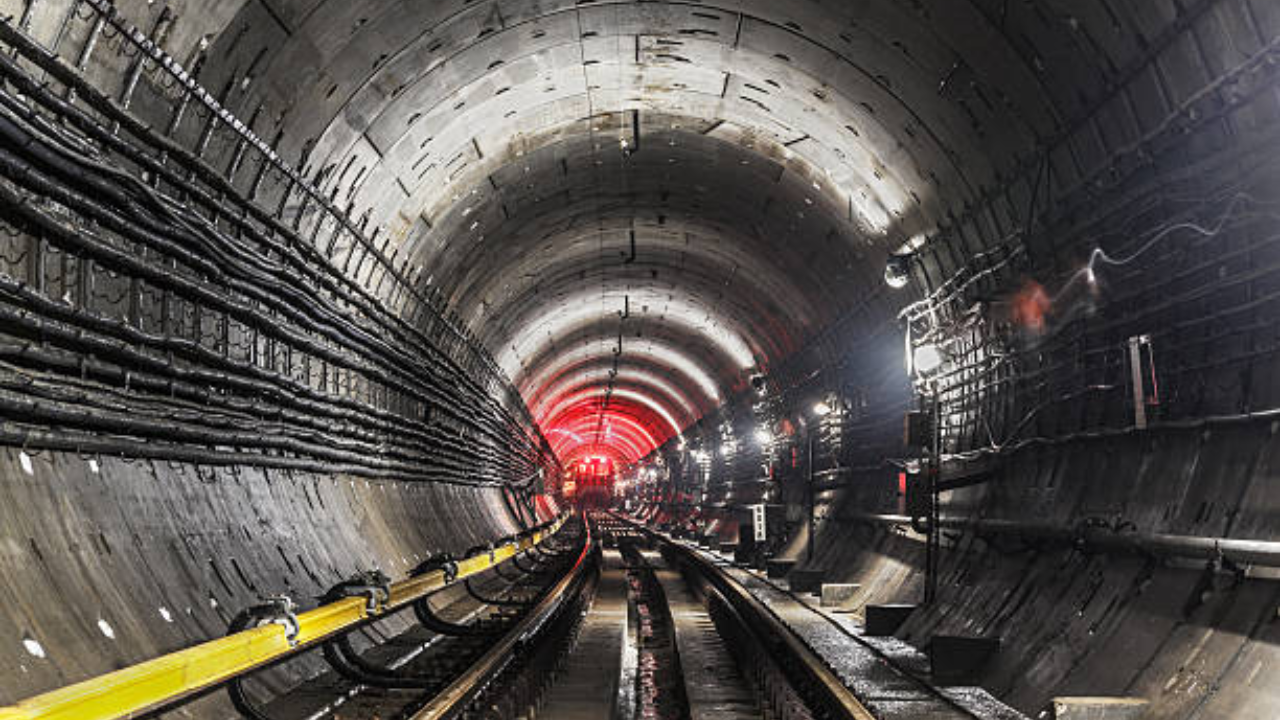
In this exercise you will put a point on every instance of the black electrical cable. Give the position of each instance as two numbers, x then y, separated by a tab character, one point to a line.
141	213
72	110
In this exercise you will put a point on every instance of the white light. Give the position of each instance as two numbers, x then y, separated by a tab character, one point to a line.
575	313
1089	276
33	647
928	358
763	436
164	613
897	282
106	629
897	271
821	409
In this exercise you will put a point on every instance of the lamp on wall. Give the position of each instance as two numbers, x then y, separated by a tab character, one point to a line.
897	271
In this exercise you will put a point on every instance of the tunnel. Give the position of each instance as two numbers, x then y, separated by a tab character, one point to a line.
965	313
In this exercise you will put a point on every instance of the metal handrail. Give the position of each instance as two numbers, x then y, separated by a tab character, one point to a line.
1105	536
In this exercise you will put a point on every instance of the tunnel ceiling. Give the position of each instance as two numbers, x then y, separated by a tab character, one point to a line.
638	206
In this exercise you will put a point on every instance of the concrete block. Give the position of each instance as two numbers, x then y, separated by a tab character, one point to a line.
956	660
1099	708
882	620
838	596
778	568
806	580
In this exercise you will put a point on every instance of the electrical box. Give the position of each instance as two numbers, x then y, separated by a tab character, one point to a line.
917	500
768	522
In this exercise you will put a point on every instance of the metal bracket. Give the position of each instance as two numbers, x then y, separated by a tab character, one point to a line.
276	610
373	585
443	562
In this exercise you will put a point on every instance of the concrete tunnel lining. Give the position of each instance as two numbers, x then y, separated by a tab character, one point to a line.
765	158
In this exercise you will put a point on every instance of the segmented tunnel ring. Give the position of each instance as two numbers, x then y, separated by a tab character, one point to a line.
295	288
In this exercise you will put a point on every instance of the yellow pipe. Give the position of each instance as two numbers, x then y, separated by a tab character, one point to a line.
169	678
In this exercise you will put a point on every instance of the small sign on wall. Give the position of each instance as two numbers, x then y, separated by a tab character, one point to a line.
758	523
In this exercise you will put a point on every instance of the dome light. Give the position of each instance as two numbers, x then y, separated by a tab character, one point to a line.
821	409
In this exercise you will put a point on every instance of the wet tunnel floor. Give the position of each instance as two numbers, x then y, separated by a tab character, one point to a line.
618	650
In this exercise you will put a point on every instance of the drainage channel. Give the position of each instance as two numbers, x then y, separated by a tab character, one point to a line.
661	693
714	684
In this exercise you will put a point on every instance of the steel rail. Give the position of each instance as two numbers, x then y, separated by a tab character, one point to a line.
163	681
761	620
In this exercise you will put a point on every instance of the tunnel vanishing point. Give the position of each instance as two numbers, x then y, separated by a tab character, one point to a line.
640	358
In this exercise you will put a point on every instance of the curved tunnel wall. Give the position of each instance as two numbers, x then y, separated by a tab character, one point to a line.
765	158
1195	635
201	409
110	562
1039	429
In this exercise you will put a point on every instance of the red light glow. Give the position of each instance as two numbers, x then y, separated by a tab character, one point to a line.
1031	305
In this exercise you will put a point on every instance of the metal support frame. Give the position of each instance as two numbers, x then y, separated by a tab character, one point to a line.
810	496
933	547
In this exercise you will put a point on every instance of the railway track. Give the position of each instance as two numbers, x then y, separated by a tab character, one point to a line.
598	620
378	674
690	647
632	630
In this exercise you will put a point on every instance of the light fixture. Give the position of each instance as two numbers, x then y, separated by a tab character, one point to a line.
897	271
927	358
821	409
763	436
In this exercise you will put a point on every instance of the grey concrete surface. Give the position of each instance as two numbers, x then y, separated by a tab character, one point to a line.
640	206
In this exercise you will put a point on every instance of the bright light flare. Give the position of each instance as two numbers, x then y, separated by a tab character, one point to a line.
928	358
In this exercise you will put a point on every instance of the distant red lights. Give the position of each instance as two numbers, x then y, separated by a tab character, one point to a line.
630	429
